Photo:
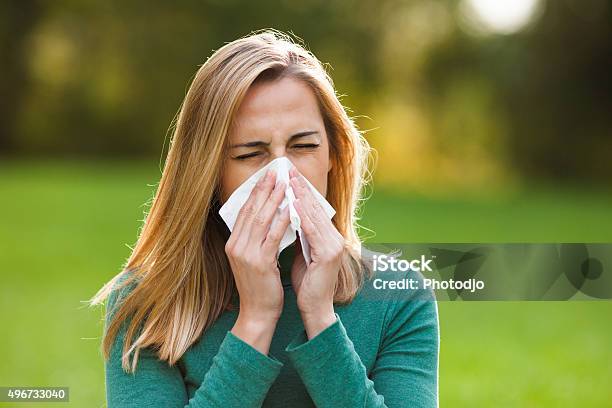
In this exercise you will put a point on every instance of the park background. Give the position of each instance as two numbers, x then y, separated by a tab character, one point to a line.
491	119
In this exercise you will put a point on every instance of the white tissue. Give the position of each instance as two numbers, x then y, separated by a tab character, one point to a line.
230	209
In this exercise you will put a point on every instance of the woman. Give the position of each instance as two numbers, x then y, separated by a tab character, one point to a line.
202	317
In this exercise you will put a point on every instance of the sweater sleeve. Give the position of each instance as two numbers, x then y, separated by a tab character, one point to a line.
405	373
240	376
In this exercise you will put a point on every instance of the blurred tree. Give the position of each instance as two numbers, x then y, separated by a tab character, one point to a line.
17	20
552	83
106	78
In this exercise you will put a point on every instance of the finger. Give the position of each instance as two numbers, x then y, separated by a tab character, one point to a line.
303	192
261	222
260	192
319	210
312	233
246	207
297	188
253	218
276	232
311	205
265	189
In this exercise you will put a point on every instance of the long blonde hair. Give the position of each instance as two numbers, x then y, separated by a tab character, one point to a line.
181	275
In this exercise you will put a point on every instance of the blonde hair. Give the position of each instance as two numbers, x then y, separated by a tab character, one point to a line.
181	277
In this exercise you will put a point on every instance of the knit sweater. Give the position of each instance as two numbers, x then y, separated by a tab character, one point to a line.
382	351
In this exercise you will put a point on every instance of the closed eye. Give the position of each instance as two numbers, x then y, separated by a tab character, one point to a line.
246	156
297	146
306	146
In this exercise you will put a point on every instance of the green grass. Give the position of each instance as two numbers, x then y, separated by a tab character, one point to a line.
65	227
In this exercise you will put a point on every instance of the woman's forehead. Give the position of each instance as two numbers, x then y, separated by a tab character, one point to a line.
276	109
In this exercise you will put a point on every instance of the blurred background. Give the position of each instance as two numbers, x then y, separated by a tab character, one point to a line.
491	118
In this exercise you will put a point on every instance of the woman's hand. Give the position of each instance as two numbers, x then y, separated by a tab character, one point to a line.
251	249
315	284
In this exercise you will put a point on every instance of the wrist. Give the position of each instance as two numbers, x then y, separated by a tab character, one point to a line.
255	331
317	321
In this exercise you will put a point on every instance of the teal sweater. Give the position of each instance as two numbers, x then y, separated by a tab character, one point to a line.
382	351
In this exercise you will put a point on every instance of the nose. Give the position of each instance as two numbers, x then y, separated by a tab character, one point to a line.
277	152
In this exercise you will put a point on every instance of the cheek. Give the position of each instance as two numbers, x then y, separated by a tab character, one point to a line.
230	180
234	174
224	189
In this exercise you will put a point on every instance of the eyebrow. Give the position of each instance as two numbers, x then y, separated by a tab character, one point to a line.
257	143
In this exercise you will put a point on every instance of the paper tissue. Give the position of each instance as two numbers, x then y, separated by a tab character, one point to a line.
230	209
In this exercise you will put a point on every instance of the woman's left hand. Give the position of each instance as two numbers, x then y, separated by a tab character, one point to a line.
315	283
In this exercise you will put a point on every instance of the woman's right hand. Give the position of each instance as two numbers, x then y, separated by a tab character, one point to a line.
251	249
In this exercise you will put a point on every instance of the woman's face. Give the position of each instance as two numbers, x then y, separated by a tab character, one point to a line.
277	118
